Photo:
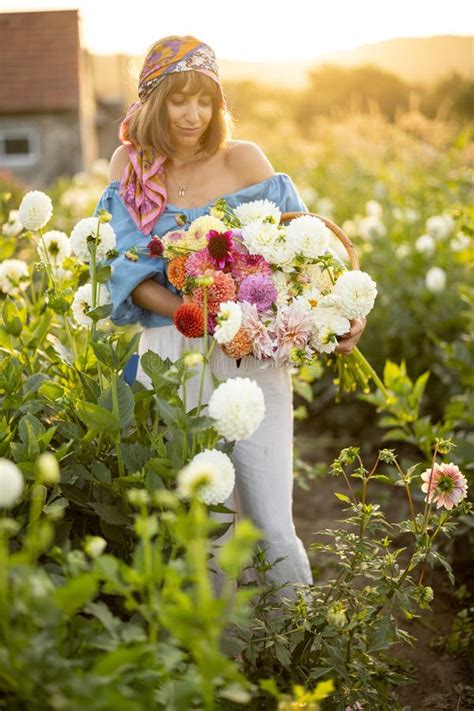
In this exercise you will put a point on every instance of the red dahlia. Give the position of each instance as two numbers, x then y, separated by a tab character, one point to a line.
189	320
220	246
155	247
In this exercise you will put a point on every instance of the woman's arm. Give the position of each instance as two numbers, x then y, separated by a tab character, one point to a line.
148	294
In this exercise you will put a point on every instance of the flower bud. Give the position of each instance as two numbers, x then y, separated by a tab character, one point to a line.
191	360
181	219
104	216
138	497
336	615
94	546
48	468
205	280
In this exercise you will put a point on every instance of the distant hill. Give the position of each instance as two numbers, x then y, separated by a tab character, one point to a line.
423	59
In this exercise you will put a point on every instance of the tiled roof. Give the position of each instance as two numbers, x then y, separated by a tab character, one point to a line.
39	61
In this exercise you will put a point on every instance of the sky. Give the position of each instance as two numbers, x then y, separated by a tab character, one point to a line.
258	30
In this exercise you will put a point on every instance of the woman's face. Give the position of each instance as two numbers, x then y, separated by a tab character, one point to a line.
189	116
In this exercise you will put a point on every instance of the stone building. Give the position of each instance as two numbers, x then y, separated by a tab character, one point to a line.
47	103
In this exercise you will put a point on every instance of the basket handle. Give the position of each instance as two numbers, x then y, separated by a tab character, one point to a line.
340	234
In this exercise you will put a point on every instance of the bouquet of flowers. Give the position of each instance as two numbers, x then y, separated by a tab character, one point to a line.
259	287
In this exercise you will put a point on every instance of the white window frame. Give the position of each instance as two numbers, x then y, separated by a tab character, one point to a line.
19	160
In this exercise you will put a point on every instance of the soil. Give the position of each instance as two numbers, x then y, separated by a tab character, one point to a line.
441	681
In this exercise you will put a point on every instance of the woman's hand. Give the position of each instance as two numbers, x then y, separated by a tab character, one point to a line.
350	340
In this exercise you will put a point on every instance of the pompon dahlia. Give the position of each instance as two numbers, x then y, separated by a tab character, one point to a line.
189	320
259	290
176	272
448	486
240	346
220	246
245	265
222	289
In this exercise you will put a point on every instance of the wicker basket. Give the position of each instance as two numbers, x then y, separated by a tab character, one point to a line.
340	234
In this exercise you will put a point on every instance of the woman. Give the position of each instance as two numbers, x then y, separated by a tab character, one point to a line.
177	158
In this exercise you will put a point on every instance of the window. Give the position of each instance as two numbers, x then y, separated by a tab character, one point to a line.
19	146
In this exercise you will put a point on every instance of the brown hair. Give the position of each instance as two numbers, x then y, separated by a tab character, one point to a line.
149	126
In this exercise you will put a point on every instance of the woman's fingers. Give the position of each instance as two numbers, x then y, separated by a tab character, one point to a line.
349	340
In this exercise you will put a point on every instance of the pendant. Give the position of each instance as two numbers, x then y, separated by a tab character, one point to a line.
182	192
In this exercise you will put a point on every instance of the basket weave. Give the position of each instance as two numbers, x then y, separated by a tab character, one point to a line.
340	234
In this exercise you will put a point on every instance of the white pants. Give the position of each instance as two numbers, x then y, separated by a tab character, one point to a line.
263	462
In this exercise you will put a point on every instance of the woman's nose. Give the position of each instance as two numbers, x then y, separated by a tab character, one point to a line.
192	111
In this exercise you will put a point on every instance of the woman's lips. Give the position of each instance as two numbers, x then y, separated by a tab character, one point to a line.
188	130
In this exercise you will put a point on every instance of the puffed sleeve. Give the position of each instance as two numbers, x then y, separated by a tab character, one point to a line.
283	193
127	274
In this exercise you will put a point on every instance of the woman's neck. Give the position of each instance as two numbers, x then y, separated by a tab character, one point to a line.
183	157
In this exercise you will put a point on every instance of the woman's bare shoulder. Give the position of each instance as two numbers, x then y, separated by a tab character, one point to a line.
247	161
118	162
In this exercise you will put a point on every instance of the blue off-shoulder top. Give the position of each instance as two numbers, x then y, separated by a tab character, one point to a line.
127	274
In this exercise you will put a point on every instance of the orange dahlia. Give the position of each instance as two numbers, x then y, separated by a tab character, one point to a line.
177	272
222	289
240	346
189	320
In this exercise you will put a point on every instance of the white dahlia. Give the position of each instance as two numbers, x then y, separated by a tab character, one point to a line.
460	242
310	298
374	208
262	238
238	407
210	476
13	226
257	211
425	244
435	280
356	291
308	236
14	276
439	226
11	483
371	227
327	325
35	210
86	230
57	244
229	320
82	302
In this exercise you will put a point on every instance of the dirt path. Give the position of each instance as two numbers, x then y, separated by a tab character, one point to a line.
442	682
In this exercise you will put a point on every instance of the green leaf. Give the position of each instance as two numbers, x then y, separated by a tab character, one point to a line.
103	273
76	593
13	323
126	402
342	497
110	514
105	354
98	418
114	662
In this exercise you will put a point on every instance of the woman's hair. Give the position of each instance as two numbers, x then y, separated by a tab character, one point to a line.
149	126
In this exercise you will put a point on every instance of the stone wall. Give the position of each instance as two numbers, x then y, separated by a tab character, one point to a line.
59	150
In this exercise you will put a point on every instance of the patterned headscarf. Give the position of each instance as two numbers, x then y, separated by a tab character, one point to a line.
143	186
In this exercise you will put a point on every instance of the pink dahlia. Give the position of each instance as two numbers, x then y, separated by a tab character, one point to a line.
220	246
292	329
258	289
246	264
448	486
222	289
258	331
199	262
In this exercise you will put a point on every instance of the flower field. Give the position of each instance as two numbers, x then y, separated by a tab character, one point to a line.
111	494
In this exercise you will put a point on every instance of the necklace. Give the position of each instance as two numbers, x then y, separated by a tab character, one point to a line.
182	189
